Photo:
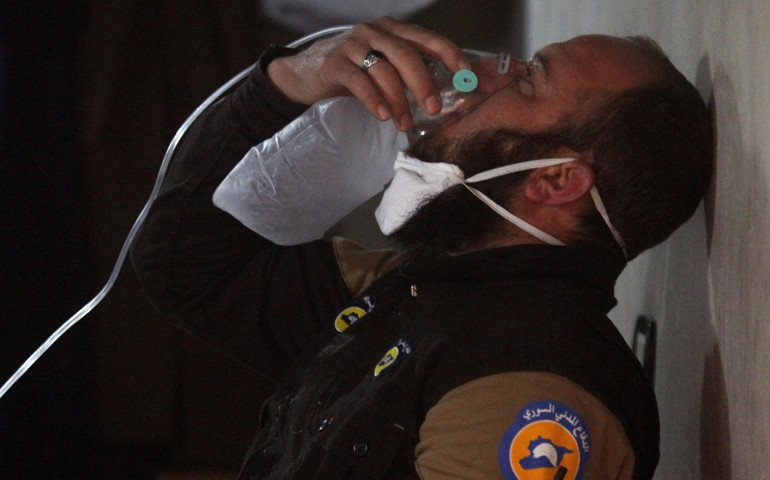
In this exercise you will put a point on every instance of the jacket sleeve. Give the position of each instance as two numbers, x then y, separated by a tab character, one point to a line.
477	431
252	300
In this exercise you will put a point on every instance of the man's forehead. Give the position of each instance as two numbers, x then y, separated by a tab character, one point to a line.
589	43
596	60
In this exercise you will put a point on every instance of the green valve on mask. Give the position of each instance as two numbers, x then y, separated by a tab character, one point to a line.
465	81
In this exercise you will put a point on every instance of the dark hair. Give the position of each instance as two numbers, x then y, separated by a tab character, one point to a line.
652	153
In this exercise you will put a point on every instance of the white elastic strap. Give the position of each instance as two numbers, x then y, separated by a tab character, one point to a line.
513	168
599	204
518	167
527	227
530	165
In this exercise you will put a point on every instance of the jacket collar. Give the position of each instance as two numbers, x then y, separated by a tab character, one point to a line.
584	265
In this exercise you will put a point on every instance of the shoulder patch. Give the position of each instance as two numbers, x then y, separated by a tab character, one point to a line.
393	356
549	440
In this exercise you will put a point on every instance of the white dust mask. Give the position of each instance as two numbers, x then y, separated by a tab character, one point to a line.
415	181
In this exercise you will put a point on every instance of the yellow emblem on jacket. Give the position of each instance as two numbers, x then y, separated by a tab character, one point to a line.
348	317
393	355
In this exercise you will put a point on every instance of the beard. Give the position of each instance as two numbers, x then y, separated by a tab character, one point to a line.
455	220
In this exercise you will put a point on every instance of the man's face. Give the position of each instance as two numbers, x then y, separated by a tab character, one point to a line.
556	84
516	123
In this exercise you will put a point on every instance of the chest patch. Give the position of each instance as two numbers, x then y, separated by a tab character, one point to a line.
392	357
549	440
353	313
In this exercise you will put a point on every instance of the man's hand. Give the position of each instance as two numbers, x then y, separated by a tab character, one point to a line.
332	67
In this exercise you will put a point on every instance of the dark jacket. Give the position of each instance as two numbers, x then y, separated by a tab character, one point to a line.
351	403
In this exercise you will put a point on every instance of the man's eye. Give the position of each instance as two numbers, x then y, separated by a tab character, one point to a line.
528	71
526	83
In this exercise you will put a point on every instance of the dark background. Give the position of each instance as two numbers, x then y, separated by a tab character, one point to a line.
91	93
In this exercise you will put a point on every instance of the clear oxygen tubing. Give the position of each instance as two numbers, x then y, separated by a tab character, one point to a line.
143	214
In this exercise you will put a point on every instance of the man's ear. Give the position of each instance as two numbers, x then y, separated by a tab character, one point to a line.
559	184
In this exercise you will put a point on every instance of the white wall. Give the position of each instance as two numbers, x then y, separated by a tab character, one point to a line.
709	285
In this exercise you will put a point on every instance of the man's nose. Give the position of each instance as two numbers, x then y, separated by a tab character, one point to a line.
492	78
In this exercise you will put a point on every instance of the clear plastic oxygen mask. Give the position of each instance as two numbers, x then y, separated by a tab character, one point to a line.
459	91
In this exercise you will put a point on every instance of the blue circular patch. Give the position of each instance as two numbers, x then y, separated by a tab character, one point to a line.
548	440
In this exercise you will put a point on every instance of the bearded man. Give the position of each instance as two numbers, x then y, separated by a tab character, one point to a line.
482	349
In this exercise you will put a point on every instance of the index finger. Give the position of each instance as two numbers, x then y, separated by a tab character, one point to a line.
404	45
427	42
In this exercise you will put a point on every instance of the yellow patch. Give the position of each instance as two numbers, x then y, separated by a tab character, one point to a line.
387	360
348	317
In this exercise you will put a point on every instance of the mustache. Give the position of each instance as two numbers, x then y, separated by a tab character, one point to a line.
484	150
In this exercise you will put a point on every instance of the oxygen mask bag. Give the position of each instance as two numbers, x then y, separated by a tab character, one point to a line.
462	91
337	155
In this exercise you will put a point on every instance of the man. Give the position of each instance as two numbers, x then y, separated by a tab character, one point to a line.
480	351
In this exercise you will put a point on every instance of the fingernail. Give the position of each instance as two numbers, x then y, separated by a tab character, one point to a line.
464	65
383	112
433	104
405	122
